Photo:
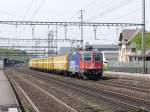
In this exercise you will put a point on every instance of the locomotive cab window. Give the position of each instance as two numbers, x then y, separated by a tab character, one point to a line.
98	57
86	57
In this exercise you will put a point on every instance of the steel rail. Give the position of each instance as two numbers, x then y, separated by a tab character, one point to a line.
126	86
85	90
45	92
26	96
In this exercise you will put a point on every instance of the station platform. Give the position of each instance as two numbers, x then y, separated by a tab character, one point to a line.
8	101
124	75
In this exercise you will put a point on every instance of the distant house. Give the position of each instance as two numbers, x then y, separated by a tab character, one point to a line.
126	47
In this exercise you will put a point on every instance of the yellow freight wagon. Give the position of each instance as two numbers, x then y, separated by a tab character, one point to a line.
50	63
42	64
31	63
34	63
38	63
60	62
45	63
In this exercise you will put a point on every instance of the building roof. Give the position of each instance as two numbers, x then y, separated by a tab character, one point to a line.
128	34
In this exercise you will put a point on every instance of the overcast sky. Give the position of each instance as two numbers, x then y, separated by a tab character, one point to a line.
69	10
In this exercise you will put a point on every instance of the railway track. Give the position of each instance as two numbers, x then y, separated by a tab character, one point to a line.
133	103
26	96
41	102
126	86
144	89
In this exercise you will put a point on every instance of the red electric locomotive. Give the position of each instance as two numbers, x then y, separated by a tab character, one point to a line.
87	64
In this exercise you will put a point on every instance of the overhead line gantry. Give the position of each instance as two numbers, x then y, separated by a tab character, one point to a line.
68	23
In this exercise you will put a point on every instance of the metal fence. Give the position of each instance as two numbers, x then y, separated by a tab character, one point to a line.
131	67
1	64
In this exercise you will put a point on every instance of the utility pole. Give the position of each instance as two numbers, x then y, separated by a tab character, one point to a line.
33	37
82	28
36	44
50	43
143	37
56	39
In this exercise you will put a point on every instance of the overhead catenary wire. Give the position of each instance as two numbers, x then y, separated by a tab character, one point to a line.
99	4
5	13
116	9
124	15
111	9
34	14
90	4
94	5
36	11
9	14
77	12
28	9
84	8
26	12
102	6
75	15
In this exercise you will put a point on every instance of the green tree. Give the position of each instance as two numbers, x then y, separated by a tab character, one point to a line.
13	53
137	40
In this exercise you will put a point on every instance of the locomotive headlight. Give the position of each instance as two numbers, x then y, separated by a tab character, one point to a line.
85	67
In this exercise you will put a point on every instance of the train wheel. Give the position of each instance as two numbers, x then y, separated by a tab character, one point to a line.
98	76
66	73
84	76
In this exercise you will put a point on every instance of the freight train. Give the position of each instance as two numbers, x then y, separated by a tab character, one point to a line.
85	64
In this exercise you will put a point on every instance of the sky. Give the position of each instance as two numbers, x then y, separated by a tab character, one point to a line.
129	11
